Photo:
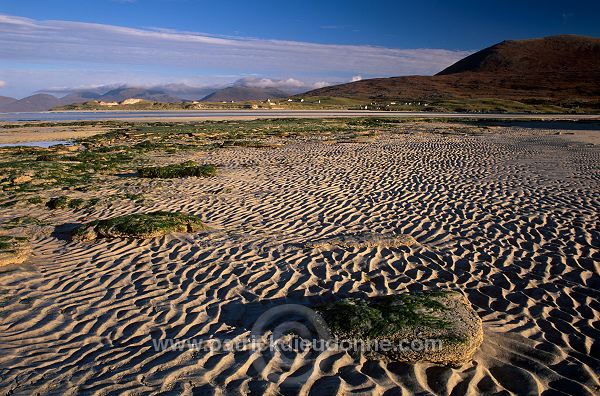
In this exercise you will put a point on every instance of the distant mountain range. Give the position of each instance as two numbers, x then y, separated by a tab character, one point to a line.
4	100
549	69
37	102
153	94
240	93
171	93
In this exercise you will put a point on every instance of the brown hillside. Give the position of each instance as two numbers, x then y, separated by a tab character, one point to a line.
552	68
557	54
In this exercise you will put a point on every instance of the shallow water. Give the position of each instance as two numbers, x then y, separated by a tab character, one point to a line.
223	114
43	144
124	115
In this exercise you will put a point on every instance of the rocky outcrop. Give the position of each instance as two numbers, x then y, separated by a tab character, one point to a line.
436	327
139	225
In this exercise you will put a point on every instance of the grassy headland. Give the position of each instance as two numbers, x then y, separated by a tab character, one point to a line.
480	105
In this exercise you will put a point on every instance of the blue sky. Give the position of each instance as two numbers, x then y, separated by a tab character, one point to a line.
60	44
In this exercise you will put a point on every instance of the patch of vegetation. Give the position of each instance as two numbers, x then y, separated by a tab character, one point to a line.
65	202
5	243
383	316
493	106
375	122
248	143
144	105
134	197
127	146
48	157
21	221
140	225
75	170
13	249
36	199
185	169
9	203
137	198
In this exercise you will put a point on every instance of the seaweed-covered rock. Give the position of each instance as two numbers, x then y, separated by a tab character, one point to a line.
64	202
13	249
185	169
58	202
363	240
139	225
48	157
443	326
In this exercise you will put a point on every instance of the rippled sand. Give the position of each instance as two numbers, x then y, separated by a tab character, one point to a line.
509	216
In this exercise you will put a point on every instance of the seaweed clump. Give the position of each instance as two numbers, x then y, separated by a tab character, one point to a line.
139	225
185	169
383	316
65	202
438	327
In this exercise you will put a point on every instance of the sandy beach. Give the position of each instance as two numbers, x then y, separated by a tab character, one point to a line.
34	133
506	215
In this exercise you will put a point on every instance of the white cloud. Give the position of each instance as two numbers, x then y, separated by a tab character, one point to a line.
356	78
25	39
258	82
2	84
157	56
288	85
321	84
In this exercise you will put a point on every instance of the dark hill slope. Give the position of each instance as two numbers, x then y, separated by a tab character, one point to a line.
557	54
552	69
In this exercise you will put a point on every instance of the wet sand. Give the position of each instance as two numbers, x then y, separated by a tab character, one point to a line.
47	133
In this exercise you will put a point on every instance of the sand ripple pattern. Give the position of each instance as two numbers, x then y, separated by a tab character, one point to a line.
510	218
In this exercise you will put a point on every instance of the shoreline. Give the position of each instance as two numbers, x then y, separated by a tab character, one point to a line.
196	115
56	130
